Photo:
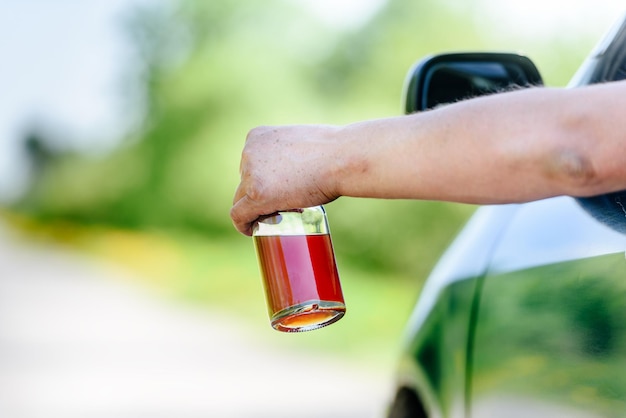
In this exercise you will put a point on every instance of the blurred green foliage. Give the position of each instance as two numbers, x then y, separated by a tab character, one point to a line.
208	71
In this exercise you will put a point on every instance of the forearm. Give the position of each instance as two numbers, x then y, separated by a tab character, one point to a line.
507	148
512	147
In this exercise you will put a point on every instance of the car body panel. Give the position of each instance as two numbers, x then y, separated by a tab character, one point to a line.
551	328
551	231
525	313
553	335
439	329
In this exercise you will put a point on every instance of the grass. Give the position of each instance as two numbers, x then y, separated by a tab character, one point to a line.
222	274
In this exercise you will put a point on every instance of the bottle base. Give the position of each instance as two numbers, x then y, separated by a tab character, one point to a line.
308	316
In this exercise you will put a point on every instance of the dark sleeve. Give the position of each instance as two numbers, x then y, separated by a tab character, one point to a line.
610	209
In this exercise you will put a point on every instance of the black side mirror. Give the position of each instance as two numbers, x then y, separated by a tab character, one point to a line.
448	78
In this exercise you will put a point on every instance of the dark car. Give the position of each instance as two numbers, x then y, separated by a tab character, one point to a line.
525	314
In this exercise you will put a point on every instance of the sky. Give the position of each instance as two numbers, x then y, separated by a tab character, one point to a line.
63	60
61	68
540	17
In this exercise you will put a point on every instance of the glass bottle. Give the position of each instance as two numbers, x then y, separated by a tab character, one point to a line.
298	269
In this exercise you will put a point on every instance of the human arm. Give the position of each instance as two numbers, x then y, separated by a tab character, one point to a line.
511	147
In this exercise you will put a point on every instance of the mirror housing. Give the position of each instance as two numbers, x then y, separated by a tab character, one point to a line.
448	78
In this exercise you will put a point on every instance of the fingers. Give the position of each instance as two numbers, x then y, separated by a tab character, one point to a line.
241	217
251	199
257	190
247	204
281	168
241	213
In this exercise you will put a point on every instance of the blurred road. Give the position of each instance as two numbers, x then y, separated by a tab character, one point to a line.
81	340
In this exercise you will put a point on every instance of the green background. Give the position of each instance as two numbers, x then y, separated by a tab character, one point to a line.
205	72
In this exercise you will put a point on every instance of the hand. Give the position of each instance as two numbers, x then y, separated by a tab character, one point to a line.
284	168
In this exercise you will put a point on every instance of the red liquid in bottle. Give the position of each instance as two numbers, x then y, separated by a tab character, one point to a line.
300	275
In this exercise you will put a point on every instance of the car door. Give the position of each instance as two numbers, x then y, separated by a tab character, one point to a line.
550	333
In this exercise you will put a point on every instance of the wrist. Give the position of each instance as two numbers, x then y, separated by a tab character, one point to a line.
350	160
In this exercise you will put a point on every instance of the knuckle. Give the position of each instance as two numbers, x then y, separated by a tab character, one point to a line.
235	216
256	192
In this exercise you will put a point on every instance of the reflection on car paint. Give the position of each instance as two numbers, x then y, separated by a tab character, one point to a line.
552	231
554	334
